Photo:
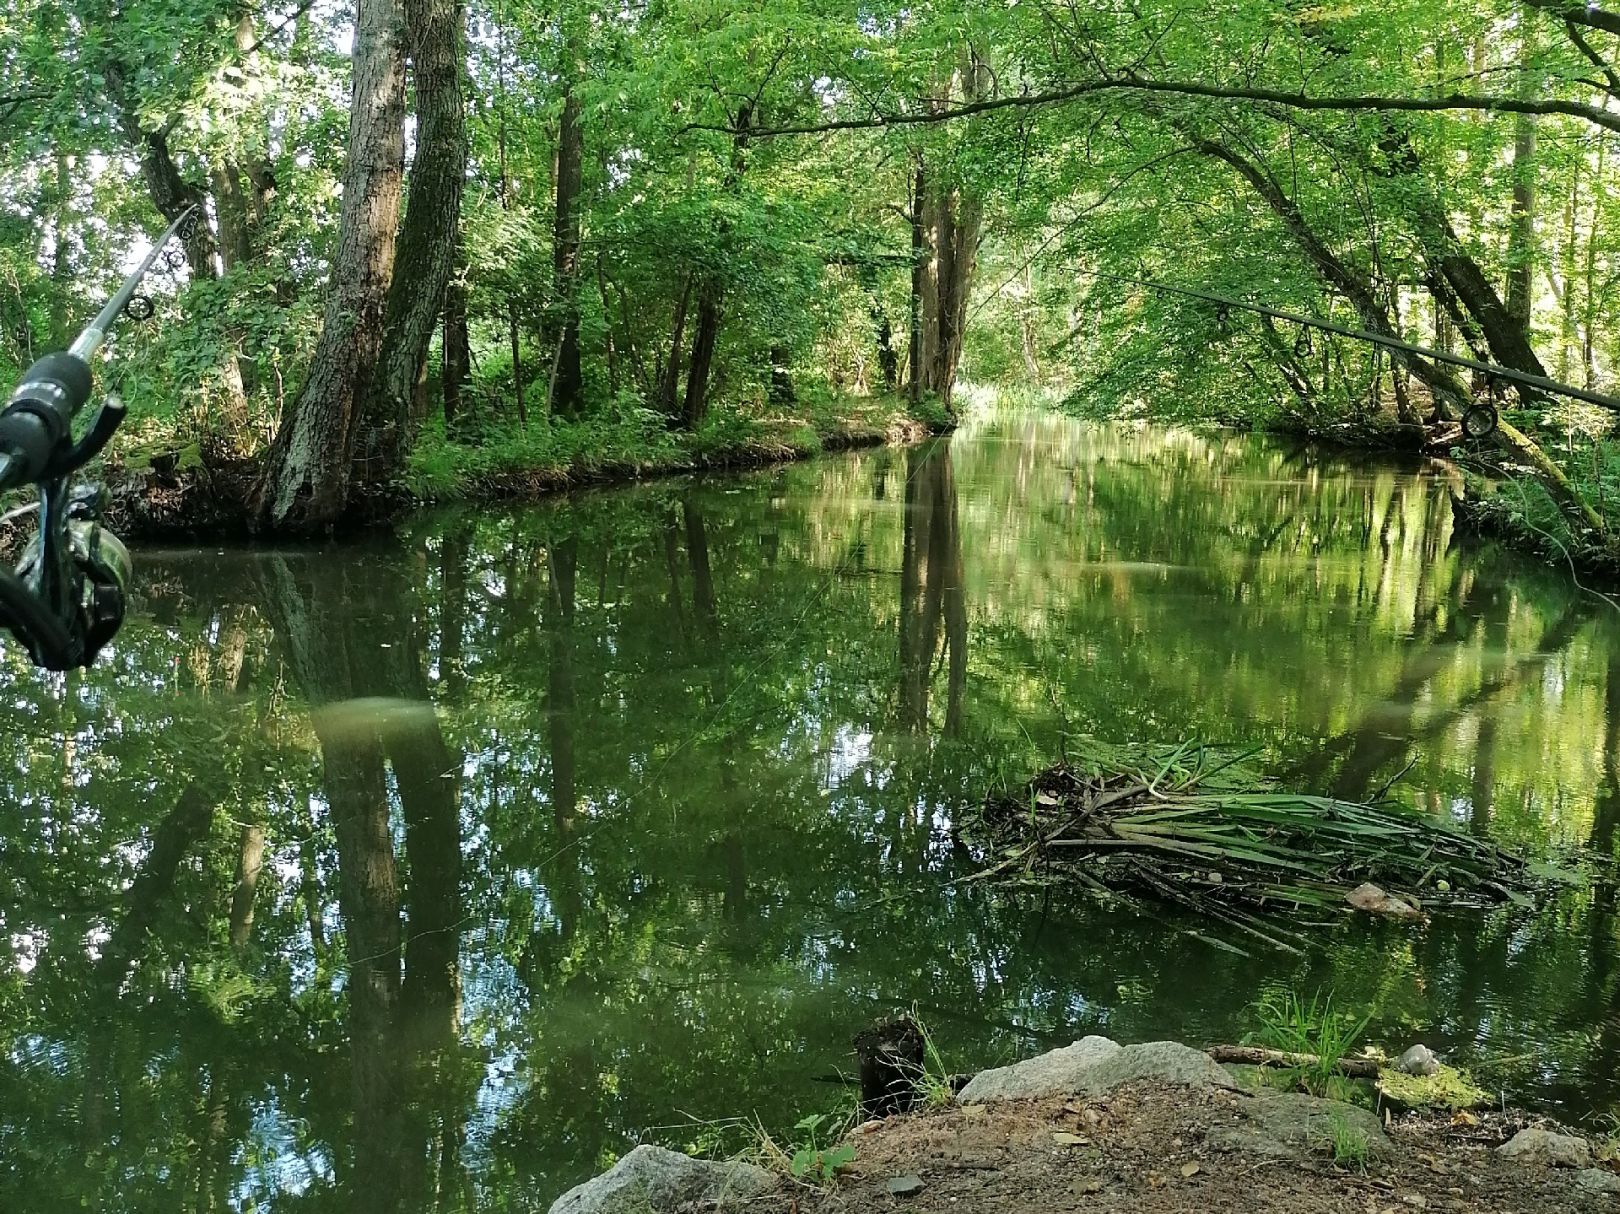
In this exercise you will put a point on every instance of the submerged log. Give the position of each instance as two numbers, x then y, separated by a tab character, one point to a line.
891	1062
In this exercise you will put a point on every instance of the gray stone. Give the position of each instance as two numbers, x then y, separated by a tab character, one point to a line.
1419	1060
1058	1071
1596	1180
1160	1062
905	1186
1290	1125
652	1179
1093	1066
1547	1148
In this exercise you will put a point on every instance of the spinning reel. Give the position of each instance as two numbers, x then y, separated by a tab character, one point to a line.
65	599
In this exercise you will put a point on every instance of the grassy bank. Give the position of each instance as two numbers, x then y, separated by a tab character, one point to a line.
550	454
174	496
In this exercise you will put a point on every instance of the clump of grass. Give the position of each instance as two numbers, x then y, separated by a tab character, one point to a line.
1606	1144
934	1083
1315	1027
1350	1145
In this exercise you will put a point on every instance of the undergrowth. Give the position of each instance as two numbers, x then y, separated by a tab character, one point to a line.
1349	1143
934	1088
814	1155
1316	1027
628	439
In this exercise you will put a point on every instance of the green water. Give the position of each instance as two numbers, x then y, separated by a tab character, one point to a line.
435	871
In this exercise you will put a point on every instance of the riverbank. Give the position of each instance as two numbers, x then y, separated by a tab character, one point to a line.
1502	498
179	495
1151	1128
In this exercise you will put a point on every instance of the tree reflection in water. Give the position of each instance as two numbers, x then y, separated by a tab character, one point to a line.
432	872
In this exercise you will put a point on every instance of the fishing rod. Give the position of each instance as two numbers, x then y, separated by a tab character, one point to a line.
65	598
1479	420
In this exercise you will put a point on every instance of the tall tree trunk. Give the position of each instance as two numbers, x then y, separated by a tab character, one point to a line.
1589	270
696	405
457	345
249	862
243	185
230	204
169	191
425	255
672	365
307	483
952	222
1521	255
919	283
888	357
567	390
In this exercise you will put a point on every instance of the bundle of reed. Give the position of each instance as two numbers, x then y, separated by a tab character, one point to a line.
1191	828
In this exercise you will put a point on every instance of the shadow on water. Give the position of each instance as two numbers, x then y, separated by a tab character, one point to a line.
431	873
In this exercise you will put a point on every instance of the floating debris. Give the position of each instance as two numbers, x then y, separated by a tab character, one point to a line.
1191	828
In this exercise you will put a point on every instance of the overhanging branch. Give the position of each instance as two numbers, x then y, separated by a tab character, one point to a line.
1292	100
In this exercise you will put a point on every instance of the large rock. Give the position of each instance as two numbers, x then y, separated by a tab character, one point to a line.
1596	1180
1291	1125
1094	1065
651	1180
1547	1148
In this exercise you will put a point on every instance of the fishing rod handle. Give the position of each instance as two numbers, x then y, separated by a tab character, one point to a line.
39	415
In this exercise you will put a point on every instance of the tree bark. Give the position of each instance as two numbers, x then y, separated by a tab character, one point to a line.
951	220
696	405
1253	1055
568	387
672	365
1521	253
169	191
306	486
919	283
249	862
457	345
426	249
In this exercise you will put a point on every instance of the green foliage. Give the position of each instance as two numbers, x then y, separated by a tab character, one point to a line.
934	1084
1606	1146
813	1157
1350	1145
757	847
1316	1026
1448	1088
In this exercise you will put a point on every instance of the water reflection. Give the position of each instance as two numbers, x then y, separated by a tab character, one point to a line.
433	872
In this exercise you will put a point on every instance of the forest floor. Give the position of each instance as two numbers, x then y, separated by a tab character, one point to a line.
1151	1149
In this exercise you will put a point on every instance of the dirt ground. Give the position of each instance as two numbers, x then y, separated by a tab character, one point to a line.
1149	1150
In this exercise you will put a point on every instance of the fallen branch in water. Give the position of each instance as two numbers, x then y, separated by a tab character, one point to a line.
1254	1055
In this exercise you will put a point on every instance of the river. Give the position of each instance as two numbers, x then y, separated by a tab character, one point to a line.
435	870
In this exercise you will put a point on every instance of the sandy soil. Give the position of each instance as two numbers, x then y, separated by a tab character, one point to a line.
1147	1150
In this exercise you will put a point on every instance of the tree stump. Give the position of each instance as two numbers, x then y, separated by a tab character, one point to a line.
891	1062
